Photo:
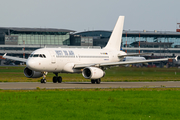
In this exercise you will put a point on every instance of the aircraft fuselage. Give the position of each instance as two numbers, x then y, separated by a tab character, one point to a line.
63	59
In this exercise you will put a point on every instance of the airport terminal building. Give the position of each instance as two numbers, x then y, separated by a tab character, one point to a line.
22	41
34	36
161	43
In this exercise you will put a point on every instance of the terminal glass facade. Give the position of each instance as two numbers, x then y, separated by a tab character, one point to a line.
152	41
132	39
160	43
42	38
34	36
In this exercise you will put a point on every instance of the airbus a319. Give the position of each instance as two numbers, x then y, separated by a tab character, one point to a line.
90	62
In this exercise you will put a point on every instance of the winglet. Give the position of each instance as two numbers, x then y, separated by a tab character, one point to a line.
176	57
4	55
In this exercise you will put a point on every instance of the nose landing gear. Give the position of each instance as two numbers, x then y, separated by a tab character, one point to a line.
44	77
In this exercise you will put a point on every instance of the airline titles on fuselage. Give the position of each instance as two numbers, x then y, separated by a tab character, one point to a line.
70	53
64	52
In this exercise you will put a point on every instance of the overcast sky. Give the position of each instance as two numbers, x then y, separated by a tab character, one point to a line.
80	15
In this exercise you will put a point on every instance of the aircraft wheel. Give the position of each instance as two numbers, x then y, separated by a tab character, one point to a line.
93	81
55	79
98	81
43	80
59	79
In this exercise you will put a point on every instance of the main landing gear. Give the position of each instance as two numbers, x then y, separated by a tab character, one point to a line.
97	81
44	77
57	79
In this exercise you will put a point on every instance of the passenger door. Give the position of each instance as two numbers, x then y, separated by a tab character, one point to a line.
53	56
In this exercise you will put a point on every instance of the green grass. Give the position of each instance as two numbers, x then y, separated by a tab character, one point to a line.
15	74
125	104
89	104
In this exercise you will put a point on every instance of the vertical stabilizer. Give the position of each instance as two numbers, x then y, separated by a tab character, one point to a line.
114	42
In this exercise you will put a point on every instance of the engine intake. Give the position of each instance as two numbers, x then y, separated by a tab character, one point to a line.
92	73
32	74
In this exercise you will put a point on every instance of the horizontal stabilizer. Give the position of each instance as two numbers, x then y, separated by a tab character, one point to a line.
136	54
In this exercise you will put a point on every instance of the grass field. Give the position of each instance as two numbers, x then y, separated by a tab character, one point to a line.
91	104
15	74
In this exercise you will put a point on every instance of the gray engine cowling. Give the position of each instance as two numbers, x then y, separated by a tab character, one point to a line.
92	73
32	74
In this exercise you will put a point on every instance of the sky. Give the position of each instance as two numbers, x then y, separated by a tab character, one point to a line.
83	15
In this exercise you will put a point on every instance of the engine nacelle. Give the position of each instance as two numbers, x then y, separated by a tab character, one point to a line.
92	73
32	74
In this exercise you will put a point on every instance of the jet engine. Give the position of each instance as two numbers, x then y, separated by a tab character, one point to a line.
92	73
32	74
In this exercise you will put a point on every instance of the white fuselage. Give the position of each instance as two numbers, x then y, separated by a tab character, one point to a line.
64	59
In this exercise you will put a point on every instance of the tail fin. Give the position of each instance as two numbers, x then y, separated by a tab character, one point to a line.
114	42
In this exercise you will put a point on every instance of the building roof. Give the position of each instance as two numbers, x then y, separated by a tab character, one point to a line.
135	32
155	32
35	29
93	31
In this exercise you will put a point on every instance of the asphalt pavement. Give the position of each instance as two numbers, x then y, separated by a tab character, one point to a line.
84	85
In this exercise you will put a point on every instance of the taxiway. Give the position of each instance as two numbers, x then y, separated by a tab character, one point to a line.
84	85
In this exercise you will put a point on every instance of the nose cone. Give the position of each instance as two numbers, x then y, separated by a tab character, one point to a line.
31	64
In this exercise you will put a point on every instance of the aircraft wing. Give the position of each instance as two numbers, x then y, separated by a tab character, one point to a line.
14	58
120	63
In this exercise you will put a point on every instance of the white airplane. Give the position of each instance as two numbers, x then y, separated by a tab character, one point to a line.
90	62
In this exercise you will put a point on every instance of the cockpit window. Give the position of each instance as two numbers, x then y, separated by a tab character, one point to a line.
31	55
35	55
44	56
38	55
